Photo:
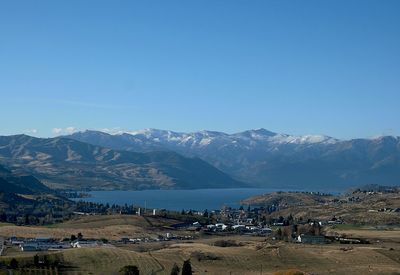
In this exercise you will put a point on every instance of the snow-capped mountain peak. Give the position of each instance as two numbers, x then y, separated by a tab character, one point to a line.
266	157
204	138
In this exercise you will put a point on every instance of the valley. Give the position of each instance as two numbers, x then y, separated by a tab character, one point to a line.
262	238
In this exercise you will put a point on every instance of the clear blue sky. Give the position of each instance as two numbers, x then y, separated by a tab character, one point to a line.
299	67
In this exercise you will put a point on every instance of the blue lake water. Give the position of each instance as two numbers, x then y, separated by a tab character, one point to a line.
198	199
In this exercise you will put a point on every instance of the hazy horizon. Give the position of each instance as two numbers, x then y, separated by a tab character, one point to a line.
314	67
60	132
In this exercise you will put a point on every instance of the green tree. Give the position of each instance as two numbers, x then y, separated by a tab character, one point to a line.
13	263
36	260
129	270
187	268
26	219
46	261
3	217
175	269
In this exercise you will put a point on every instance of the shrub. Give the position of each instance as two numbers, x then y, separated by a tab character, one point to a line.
226	243
129	270
202	256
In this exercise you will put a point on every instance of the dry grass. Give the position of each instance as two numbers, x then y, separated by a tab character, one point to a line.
247	259
254	254
372	234
310	206
111	227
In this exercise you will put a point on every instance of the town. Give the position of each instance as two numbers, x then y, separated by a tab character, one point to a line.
225	222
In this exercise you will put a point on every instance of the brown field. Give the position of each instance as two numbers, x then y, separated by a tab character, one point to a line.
256	255
311	206
252	258
111	227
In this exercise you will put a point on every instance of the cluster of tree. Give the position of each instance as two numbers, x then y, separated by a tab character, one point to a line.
282	220
36	261
186	269
45	261
74	194
376	188
46	210
227	243
107	209
134	270
100	208
38	211
290	232
306	192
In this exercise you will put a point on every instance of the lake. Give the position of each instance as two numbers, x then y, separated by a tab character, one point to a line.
198	199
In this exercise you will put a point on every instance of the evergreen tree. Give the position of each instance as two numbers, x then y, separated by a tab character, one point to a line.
36	260
129	270
187	268
14	264
175	269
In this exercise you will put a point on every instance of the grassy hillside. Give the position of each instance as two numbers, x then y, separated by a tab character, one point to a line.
249	259
284	199
254	254
377	208
111	227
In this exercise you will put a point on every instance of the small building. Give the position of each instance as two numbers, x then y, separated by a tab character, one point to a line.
221	226
44	239
266	230
29	247
311	239
43	246
211	227
17	242
80	244
238	227
125	240
252	228
196	225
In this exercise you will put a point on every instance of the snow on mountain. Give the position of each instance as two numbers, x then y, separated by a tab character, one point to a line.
205	138
264	157
306	139
205	144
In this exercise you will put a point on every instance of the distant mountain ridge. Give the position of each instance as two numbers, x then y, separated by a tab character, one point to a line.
269	159
68	163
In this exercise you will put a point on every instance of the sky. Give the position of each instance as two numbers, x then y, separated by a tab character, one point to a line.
296	67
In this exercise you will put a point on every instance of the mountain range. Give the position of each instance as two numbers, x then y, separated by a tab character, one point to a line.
161	159
66	163
267	159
